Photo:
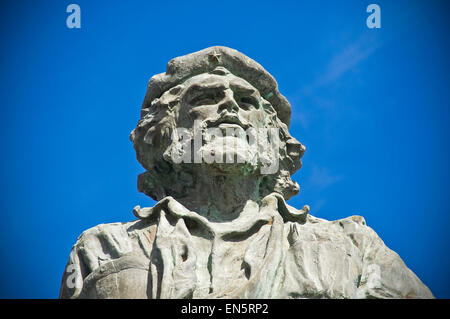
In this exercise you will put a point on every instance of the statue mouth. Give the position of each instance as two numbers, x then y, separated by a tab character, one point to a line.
227	120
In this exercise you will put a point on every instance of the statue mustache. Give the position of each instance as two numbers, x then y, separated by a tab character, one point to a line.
227	118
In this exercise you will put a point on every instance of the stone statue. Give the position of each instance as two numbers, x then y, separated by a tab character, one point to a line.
221	227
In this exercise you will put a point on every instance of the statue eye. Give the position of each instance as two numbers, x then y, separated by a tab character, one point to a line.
207	98
248	102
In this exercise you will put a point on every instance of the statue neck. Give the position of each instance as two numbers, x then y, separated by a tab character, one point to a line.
221	198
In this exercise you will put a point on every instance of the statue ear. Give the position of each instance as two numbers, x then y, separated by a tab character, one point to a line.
295	151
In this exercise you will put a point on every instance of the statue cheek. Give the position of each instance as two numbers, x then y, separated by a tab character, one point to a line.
256	117
203	112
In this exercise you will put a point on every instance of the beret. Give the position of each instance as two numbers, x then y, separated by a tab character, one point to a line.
181	68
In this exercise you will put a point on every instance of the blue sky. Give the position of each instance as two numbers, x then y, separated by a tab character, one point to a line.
371	106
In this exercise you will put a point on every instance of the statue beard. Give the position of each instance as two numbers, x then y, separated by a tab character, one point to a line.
229	155
222	155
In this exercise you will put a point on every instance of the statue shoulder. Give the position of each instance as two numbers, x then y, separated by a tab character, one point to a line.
103	250
384	274
112	240
351	231
114	234
380	272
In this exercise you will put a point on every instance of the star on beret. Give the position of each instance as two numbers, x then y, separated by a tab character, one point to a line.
214	56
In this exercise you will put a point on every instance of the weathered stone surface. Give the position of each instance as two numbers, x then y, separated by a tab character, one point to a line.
224	230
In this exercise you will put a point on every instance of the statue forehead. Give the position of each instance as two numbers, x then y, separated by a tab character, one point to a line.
208	80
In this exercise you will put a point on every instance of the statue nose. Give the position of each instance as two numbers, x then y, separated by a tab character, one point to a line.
228	103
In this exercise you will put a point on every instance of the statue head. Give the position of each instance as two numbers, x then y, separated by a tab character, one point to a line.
222	114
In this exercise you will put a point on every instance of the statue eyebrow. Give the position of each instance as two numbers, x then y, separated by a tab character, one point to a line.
196	88
242	89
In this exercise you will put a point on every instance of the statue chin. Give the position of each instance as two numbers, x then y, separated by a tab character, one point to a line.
229	155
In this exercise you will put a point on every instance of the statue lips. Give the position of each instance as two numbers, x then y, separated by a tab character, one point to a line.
229	120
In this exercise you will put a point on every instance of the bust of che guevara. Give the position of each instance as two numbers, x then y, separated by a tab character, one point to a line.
214	140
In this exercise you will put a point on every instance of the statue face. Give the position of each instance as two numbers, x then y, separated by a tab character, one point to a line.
168	133
189	110
220	101
223	109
